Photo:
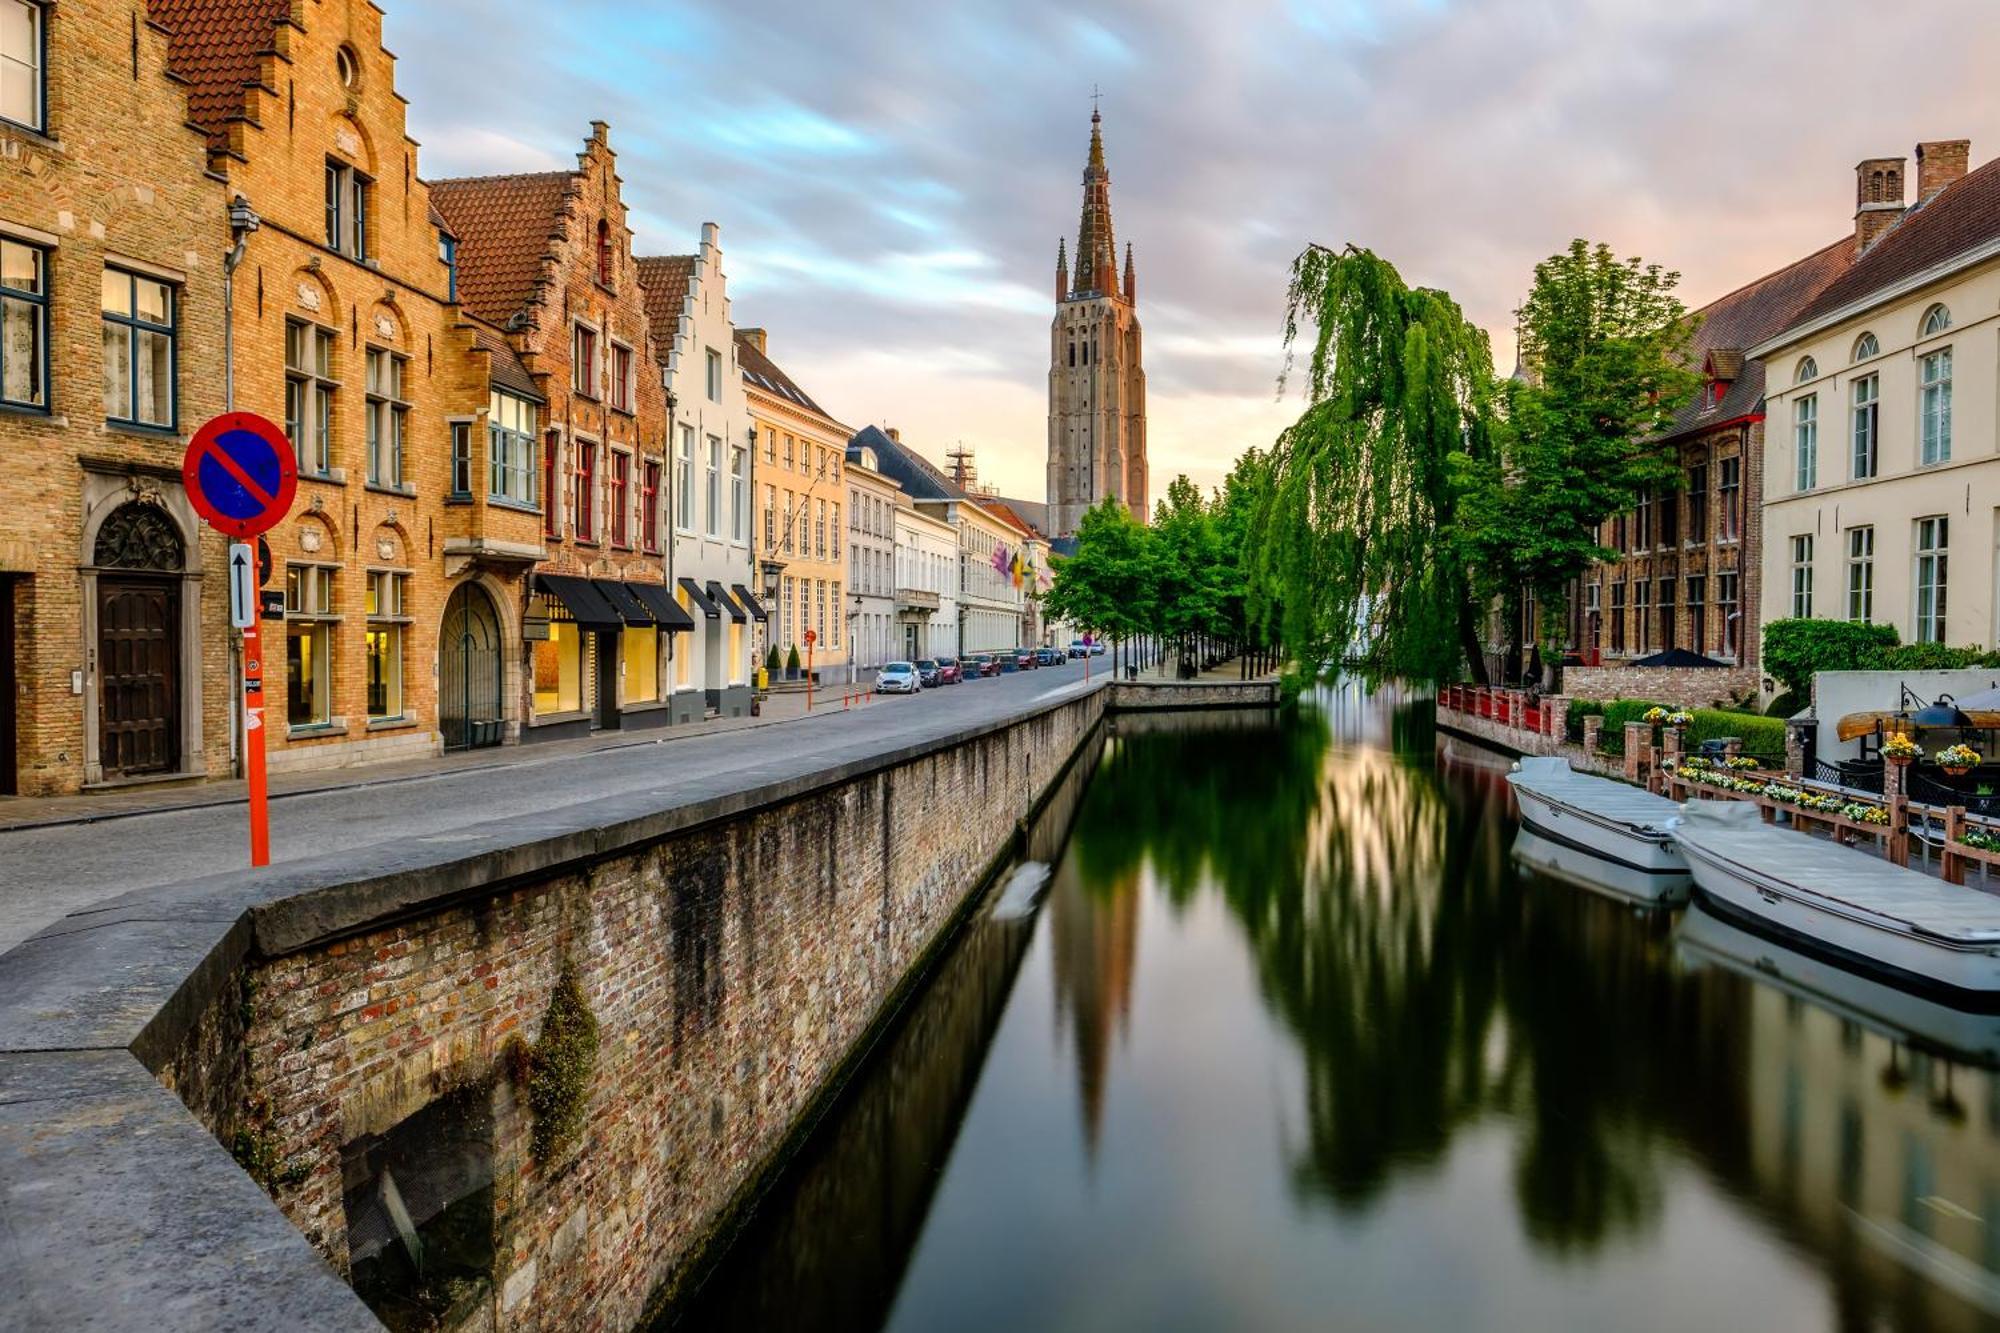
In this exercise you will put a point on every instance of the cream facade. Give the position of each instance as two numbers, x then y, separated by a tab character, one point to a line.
1883	444
928	607
990	605
872	504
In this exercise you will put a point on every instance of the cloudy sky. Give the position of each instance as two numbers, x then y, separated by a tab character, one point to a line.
891	176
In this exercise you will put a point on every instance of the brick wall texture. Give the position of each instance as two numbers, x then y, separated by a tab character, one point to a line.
732	969
1685	687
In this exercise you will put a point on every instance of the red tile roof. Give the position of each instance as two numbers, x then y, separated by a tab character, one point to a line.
1961	217
762	371
505	369
1744	318
218	46
505	226
665	279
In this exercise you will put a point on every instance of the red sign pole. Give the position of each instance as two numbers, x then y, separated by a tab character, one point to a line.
253	743
810	637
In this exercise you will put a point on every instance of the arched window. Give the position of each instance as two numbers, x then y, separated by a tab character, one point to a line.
1936	320
604	252
1865	347
1808	370
346	68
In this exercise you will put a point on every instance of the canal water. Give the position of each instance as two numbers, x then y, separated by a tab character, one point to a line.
1284	1039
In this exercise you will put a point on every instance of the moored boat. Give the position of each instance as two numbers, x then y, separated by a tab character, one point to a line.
1937	940
1623	828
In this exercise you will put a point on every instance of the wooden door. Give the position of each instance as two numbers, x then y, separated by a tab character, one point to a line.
138	674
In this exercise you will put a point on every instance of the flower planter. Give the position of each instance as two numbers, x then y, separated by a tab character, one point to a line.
1957	770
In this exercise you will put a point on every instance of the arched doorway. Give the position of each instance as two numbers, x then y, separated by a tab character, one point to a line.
470	670
140	558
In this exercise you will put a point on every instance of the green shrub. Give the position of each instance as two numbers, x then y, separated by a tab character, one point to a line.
1763	737
1795	649
772	662
1616	714
1929	657
792	659
1578	710
1784	705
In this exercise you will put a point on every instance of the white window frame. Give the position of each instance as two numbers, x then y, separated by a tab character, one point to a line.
1861	573
712	493
739	494
1930	580
1805	441
684	481
1864	458
34	62
1934	407
513	469
1802	576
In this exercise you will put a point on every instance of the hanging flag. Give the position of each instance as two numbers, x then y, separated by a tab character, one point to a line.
1014	570
1000	557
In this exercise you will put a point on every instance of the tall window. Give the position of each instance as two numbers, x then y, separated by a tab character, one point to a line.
604	252
1730	491
583	521
551	486
833	532
583	361
714	376
790	446
22	95
24	305
621	377
1805	441
1861	574
1618	617
621	497
1668	629
1697	501
770	517
833	630
1725	607
819	531
1934	380
347	193
1642	523
461	459
388	416
138	350
1933	539
684	481
790	536
310	616
771	446
714	496
309	389
1867	423
1802	577
1697	611
448	256
510	439
1642	618
649	507
739	495
386	621
1670	519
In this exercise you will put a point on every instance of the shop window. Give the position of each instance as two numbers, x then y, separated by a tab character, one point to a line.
558	664
311	616
387	627
640	664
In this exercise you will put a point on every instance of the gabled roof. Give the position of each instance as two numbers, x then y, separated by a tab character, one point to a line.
1958	218
218	46
917	475
1004	511
762	371
1733	323
504	365
1032	513
504	226
665	280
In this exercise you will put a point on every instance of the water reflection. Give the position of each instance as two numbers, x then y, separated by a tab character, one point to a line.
1294	1042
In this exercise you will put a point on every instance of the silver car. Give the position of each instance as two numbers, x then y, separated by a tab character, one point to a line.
898	678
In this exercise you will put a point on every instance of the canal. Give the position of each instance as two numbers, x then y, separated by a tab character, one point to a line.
1284	1039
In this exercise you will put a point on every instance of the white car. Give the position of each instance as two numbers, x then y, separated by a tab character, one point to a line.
898	678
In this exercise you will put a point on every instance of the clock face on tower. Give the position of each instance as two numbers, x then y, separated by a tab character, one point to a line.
1097	383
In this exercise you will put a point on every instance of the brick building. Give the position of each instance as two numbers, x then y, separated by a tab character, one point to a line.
348	332
114	665
1687	575
548	257
800	455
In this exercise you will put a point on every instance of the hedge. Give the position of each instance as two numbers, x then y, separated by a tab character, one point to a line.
1797	649
1763	737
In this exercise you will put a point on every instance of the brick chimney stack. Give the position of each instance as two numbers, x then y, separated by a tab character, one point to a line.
1939	163
1878	199
893	433
755	337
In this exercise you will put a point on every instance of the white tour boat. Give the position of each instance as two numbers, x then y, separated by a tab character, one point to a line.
1624	827
1898	925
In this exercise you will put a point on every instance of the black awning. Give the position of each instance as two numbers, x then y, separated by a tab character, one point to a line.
670	614
629	608
750	604
722	599
586	605
700	598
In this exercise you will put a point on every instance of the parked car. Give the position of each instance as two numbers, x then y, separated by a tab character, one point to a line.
1078	648
989	665
1097	648
949	671
1025	659
927	671
898	678
1048	657
1007	661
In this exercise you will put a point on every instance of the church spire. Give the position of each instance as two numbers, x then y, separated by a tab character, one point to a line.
1062	271
1131	283
1096	251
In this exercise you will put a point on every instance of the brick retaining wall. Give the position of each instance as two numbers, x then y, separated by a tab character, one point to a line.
1683	687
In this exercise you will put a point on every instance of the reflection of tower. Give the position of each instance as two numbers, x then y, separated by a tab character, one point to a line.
1096	939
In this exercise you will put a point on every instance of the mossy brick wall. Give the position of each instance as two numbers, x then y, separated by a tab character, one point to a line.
733	969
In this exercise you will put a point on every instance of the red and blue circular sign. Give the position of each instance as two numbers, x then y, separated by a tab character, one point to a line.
240	474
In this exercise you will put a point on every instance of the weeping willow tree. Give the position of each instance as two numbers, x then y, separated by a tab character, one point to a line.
1353	556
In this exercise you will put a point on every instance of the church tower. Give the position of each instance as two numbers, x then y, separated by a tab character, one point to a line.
1097	383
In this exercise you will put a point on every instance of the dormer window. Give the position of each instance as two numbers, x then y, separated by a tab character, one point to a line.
1808	370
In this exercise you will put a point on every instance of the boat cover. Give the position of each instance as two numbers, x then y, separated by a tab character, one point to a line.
1619	802
1819	868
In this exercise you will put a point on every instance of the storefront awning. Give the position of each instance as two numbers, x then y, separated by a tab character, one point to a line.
580	597
723	600
749	603
700	598
629	608
670	614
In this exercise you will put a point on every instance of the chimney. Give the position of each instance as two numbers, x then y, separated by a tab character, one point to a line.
1878	199
893	434
755	337
1939	163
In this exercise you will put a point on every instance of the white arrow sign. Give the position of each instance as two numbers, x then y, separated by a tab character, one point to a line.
242	585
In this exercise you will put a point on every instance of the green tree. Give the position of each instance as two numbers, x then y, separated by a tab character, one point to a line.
1108	587
1604	344
1350	549
1190	582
